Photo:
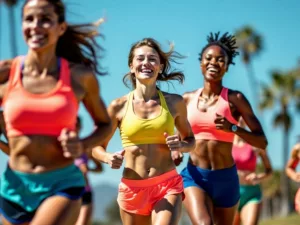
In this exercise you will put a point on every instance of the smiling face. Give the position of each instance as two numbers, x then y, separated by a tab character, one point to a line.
40	25
214	63
145	64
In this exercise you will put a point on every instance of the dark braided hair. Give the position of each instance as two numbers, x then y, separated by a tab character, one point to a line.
227	42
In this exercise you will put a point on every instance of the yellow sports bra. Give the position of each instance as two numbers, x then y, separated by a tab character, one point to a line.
137	131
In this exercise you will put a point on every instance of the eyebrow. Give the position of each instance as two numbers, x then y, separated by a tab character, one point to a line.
148	55
32	11
221	55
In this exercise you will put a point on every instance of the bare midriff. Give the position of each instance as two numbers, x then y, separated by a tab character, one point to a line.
146	161
212	154
36	154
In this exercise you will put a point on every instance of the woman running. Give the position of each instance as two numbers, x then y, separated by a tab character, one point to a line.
151	190
293	174
41	93
211	184
86	210
245	157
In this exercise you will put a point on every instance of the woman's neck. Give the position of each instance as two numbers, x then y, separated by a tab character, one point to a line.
145	92
41	62
212	88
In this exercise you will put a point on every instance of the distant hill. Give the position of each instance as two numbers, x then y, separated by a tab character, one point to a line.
104	194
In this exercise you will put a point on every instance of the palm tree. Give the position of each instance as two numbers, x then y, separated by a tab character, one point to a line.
250	44
285	92
11	12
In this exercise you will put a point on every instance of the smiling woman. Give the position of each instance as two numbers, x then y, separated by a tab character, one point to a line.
40	95
150	191
210	179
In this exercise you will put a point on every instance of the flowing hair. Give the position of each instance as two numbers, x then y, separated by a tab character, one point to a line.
166	58
78	44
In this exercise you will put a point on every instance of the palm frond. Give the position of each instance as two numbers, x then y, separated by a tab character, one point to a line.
268	98
10	2
282	119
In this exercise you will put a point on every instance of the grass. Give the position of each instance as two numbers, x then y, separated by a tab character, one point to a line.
293	219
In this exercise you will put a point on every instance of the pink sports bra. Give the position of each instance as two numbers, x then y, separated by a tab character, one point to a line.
26	113
202	123
244	157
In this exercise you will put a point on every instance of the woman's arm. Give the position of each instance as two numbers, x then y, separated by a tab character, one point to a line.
256	136
4	147
186	135
292	163
96	108
98	168
267	165
115	160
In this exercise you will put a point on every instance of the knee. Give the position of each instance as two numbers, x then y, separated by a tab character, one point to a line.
203	221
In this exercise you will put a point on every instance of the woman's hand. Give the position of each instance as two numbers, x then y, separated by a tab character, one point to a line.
222	123
115	160
71	145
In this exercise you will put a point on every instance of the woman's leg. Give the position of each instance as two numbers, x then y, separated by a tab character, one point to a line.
57	210
250	213
167	211
225	216
134	219
85	215
6	222
198	206
237	219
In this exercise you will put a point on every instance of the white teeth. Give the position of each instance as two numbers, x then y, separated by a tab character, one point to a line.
37	37
146	71
213	70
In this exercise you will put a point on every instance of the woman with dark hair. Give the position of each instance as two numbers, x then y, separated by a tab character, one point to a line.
291	172
151	190
211	184
40	95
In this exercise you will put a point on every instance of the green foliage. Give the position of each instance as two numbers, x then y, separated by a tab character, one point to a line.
293	219
112	215
249	41
10	2
284	91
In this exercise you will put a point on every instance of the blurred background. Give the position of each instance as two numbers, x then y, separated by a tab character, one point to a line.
267	71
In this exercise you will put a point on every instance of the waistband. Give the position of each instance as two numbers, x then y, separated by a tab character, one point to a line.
150	181
248	186
44	175
214	174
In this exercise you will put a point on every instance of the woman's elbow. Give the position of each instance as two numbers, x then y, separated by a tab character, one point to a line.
264	143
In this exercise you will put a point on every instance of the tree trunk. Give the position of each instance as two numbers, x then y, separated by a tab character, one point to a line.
12	24
286	206
255	92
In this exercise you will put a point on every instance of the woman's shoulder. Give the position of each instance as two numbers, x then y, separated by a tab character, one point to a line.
171	96
119	103
238	97
187	96
80	70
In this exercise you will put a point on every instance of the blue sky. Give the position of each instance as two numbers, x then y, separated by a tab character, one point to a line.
186	23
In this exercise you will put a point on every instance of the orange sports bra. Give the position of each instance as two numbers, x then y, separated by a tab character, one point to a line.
135	130
26	113
202	123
